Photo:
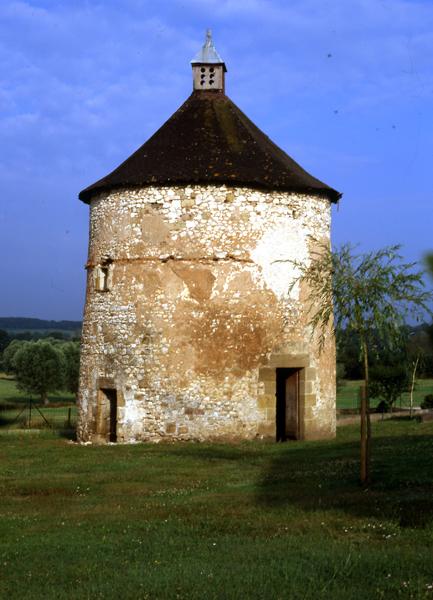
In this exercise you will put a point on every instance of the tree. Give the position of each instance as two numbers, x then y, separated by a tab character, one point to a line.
4	340
8	362
348	354
388	382
429	262
71	352
40	368
419	348
369	294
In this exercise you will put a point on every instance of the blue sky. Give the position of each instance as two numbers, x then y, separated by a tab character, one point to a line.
343	86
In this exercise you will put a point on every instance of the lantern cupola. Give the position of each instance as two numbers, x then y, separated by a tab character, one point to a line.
208	68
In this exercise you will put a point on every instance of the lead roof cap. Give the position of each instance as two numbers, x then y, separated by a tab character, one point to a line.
208	54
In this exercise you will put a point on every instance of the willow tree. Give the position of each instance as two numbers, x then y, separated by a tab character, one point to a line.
371	294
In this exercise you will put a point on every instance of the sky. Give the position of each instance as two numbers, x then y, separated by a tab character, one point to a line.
345	87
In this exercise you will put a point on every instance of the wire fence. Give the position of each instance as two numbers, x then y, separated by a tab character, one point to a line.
32	415
349	396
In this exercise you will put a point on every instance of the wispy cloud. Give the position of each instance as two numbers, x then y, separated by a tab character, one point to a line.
344	86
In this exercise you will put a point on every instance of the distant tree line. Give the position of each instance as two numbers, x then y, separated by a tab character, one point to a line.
27	323
6	337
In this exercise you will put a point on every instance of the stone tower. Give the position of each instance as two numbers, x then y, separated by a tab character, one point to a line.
190	331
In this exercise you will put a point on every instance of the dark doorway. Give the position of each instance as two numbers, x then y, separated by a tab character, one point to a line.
109	411
287	404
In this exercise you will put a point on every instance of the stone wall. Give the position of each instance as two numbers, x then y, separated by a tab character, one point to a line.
198	314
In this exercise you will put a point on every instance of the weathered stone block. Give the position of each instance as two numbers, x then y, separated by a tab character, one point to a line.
267	374
310	374
188	202
308	387
270	387
288	361
266	401
271	413
310	400
266	429
229	197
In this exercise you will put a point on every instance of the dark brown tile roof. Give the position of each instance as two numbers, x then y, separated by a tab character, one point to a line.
209	140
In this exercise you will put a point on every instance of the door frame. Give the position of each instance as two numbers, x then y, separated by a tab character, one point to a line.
107	412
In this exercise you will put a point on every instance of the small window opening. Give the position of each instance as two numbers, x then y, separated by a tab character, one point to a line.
211	69
202	69
103	277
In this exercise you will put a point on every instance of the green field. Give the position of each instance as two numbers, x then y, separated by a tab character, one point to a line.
12	401
193	521
347	396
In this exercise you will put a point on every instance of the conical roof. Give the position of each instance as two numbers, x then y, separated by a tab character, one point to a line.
209	140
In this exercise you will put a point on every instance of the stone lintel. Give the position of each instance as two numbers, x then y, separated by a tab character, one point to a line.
289	361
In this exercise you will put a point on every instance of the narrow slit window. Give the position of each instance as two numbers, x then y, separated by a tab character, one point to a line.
103	278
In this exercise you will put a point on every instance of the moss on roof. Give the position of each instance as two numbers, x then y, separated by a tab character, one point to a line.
209	140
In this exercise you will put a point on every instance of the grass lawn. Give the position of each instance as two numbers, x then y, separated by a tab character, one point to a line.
200	521
347	396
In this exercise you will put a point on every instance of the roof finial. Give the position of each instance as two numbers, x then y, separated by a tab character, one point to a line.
208	53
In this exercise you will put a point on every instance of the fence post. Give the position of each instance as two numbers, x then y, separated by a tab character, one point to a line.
69	418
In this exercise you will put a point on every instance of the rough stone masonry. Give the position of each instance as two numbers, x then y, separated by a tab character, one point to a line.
191	329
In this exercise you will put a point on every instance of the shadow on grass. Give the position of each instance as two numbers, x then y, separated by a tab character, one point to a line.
214	453
324	476
327	478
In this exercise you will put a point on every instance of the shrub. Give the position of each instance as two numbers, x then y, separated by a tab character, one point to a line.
383	407
388	382
428	401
